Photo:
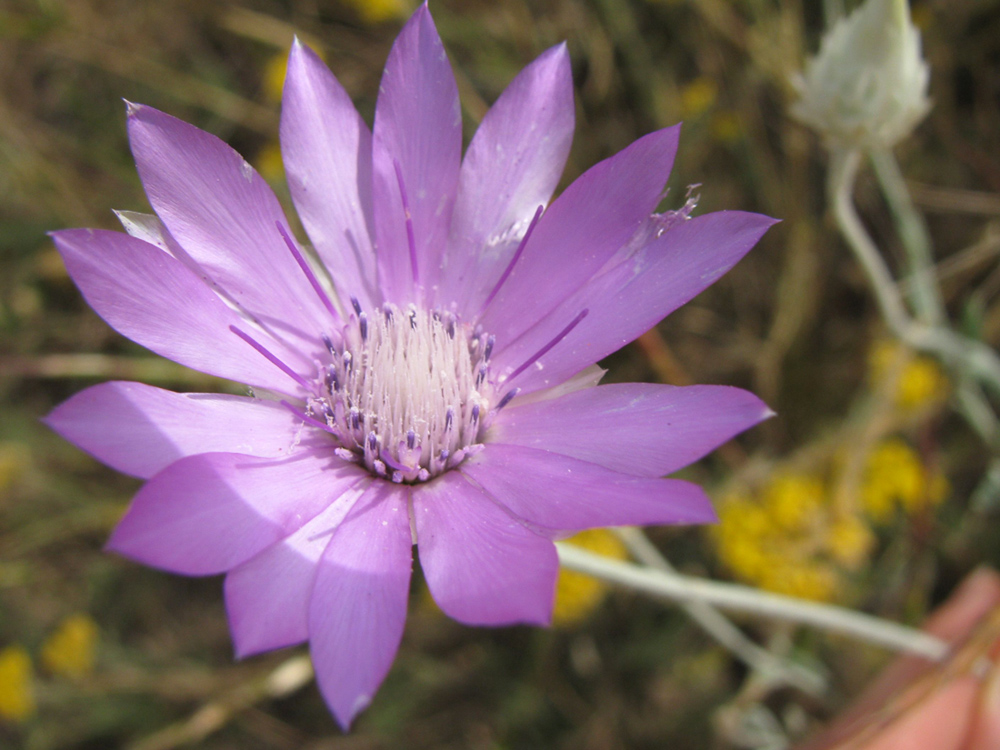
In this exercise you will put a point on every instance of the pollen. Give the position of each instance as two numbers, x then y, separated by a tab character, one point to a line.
407	392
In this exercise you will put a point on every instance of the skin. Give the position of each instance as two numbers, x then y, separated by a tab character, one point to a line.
954	706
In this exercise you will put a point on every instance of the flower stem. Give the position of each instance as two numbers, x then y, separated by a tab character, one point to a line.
736	598
926	296
770	667
967	356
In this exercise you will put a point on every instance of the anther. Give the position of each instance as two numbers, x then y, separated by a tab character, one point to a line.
411	439
490	341
408	217
545	349
356	305
262	350
507	398
513	261
304	265
331	380
363	326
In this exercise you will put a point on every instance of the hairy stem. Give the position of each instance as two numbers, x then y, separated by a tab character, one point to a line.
736	598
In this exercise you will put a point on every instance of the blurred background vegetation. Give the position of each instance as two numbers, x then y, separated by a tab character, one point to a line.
865	490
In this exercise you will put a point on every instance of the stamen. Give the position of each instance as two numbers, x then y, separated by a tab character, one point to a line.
306	418
507	398
510	266
545	349
363	326
410	238
304	265
272	359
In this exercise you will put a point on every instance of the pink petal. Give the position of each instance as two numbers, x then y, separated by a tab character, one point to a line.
634	295
580	232
206	514
267	597
483	567
358	605
140	430
561	493
418	125
327	153
224	215
158	302
635	428
510	169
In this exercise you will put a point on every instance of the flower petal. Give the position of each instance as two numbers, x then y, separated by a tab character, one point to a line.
634	295
562	493
358	605
225	217
483	567
327	149
635	428
580	232
267	597
418	126
206	514
511	167
160	303
140	430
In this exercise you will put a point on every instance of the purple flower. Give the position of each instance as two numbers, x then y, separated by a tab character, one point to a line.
433	375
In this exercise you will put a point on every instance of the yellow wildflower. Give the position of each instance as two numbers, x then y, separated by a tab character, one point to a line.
790	539
849	541
273	80
70	651
14	458
269	162
794	501
896	479
577	595
919	382
17	700
379	11
698	96
727	127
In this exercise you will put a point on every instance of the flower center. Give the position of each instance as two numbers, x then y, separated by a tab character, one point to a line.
406	392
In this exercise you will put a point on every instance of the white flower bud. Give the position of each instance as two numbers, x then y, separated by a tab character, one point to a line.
867	86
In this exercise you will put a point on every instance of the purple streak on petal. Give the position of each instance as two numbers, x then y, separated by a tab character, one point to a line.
510	266
327	148
507	398
512	165
274	360
358	604
419	124
223	214
582	229
483	567
307	271
206	514
307	419
549	346
631	297
158	302
565	494
140	430
411	240
634	428
267	597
